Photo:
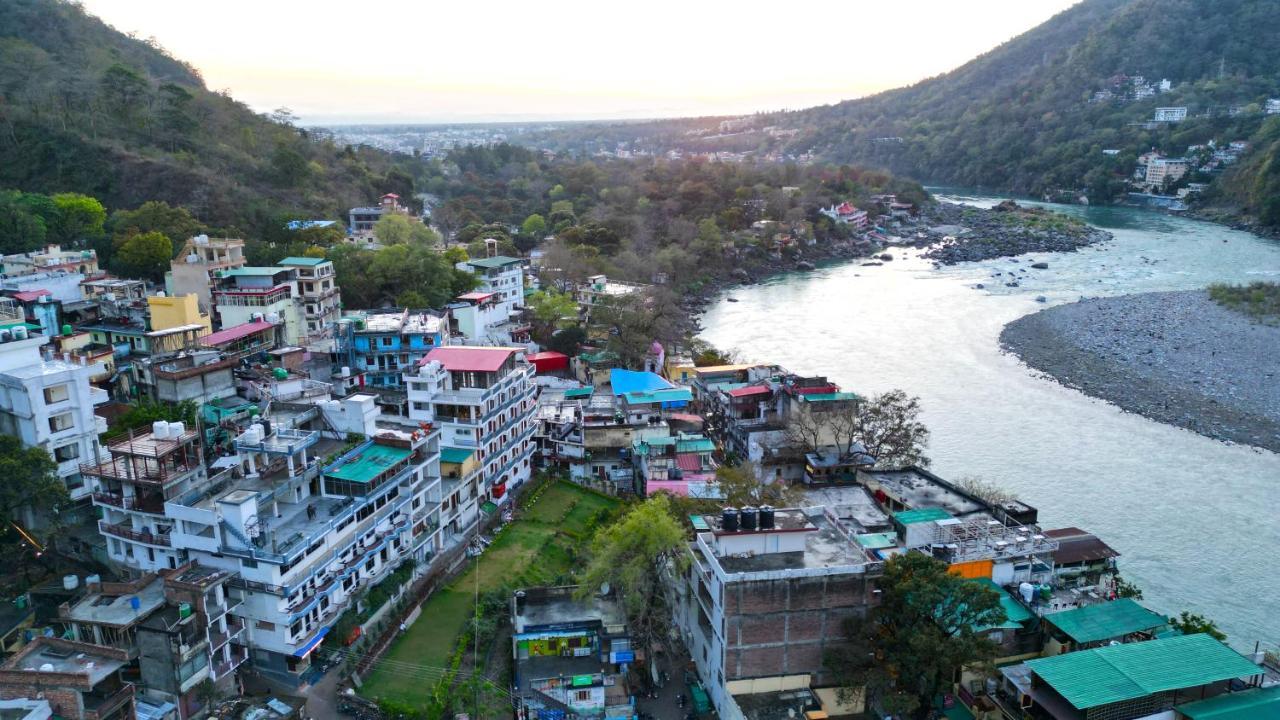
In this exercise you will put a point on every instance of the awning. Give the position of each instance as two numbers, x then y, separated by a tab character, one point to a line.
302	651
236	332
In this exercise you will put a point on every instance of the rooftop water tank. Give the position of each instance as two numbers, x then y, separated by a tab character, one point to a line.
748	516
19	332
729	519
68	330
93	580
766	517
160	429
70	582
193	258
134	603
346	371
177	429
280	373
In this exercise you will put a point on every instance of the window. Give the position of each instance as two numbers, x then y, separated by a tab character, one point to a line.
66	452
61	422
583	696
56	393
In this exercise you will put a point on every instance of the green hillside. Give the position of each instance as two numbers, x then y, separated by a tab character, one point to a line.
85	108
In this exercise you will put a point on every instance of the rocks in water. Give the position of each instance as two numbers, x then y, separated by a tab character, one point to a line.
872	264
980	286
1040	265
886	257
742	275
1006	206
1041	298
1005	231
804	265
1012	284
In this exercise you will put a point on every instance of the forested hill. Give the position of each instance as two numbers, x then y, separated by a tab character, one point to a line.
85	108
1036	113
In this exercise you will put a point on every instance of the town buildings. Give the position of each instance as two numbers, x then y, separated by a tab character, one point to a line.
52	259
199	263
847	214
78	680
570	655
1170	114
321	299
47	403
250	294
384	344
362	219
500	275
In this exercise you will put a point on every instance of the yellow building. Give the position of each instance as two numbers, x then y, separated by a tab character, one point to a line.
171	312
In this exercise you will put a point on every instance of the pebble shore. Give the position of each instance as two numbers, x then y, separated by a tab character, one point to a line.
1175	357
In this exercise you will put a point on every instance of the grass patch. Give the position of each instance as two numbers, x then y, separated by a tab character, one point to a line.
541	546
1259	300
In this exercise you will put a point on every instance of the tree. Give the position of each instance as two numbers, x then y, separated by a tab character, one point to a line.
535	226
79	218
290	167
143	412
145	255
888	427
31	486
173	222
635	556
741	486
122	89
176	122
985	490
925	629
393	229
552	311
1126	589
20	229
1191	623
567	341
805	429
637	320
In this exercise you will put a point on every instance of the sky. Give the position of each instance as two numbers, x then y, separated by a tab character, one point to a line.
468	60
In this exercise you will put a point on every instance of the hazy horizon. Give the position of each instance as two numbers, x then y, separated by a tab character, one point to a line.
576	61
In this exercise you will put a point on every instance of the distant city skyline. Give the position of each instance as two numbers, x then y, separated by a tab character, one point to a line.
468	62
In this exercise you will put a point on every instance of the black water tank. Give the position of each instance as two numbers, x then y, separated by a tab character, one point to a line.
729	519
766	517
520	599
749	516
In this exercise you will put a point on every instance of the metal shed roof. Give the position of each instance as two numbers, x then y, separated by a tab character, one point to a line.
919	515
1244	705
1104	621
1115	673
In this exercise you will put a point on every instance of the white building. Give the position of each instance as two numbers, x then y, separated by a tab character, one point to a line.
482	399
321	299
47	403
1273	106
199	262
250	294
1170	114
501	275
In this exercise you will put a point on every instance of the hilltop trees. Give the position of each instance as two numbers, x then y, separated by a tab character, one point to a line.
886	426
908	648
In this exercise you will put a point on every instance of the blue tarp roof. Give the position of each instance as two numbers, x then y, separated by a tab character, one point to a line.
631	381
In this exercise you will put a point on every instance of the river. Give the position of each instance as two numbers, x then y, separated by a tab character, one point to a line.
1197	521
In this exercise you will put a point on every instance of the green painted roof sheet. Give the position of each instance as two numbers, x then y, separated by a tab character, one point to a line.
919	515
828	397
304	261
455	454
669	395
1105	621
1114	673
876	541
1014	612
683	443
493	262
375	460
582	392
251	271
1244	705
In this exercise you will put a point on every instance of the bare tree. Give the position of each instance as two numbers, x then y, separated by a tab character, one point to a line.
742	485
985	490
888	426
805	428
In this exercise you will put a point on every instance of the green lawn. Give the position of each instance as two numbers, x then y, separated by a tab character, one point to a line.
536	549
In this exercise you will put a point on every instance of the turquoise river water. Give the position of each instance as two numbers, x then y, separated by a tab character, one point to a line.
1197	521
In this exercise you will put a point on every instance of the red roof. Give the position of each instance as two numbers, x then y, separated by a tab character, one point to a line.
474	359
222	337
689	462
749	391
476	296
391	195
547	355
846	209
30	295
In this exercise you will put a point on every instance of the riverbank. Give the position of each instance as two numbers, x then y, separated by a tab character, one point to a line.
1174	357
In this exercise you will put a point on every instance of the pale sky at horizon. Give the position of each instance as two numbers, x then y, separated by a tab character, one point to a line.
473	61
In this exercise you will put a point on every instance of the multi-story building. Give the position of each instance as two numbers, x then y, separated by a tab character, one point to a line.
60	285
52	258
47	403
78	680
304	541
147	469
166	312
570	655
501	275
482	399
1161	171
251	294
765	596
1169	114
384	344
679	464
321	298
198	263
362	219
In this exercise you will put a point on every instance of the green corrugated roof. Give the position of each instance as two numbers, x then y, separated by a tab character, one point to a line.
375	460
683	443
876	541
828	397
907	517
1114	673
493	262
251	271
659	396
305	261
1244	705
1014	613
1105	621
582	392
455	454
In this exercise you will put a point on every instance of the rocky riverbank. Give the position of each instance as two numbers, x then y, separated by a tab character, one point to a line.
1174	357
961	233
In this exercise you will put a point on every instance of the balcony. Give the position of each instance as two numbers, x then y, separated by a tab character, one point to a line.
218	639
154	506
121	531
239	654
102	707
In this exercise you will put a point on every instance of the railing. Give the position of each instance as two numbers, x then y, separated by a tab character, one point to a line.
131	534
222	669
107	705
242	584
218	639
155	507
